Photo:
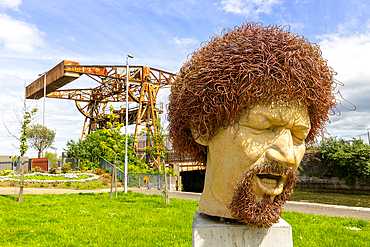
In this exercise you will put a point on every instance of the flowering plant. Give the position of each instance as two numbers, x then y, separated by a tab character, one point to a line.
73	178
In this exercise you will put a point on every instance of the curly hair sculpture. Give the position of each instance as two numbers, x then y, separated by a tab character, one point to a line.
230	73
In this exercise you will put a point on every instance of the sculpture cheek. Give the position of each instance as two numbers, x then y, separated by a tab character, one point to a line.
300	151
250	150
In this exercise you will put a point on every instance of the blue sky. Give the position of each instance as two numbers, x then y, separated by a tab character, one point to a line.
36	35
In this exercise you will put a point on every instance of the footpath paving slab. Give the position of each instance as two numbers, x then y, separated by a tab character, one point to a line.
300	207
9	191
328	210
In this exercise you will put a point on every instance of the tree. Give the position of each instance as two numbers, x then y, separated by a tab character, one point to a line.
53	158
27	116
113	144
90	149
158	151
24	121
344	160
40	138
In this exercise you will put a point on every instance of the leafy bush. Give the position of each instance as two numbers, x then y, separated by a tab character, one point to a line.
66	167
346	161
171	171
91	149
53	169
98	171
6	172
83	166
37	169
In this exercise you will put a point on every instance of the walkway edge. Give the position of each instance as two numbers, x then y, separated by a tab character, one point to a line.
328	206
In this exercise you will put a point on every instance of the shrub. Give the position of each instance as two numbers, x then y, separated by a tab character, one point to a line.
171	171
6	172
83	166
53	169
37	169
346	161
66	167
98	171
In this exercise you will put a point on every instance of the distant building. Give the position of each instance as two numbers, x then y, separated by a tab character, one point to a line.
6	162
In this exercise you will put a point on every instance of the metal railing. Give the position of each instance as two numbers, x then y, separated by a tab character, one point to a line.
104	164
150	181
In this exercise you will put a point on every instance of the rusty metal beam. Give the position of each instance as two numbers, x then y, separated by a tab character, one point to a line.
56	78
144	84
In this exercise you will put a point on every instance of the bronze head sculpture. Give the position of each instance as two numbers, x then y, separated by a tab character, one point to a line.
245	103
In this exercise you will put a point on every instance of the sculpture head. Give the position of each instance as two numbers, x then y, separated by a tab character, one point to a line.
244	104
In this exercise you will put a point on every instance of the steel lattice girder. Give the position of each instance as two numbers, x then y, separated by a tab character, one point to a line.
144	84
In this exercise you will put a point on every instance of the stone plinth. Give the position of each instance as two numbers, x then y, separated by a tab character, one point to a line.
209	232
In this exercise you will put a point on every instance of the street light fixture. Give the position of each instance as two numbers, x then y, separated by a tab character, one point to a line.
367	129
43	113
126	124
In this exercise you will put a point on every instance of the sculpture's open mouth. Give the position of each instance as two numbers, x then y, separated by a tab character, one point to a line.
270	184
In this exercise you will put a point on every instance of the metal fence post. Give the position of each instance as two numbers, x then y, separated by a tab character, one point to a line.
139	179
159	181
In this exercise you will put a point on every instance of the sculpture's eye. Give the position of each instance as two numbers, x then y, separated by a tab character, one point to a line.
258	130
296	140
299	134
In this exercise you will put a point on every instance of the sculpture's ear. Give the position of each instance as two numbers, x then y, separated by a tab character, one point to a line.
201	140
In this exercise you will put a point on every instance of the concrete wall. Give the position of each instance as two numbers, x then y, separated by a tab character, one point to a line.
5	162
330	183
311	176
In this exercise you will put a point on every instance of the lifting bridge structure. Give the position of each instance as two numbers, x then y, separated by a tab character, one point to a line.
144	84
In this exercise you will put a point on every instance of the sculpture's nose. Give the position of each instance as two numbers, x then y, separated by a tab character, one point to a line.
282	150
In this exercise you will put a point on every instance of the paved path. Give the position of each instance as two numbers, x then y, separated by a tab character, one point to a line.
301	207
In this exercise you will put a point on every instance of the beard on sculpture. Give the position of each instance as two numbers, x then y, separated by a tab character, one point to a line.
246	210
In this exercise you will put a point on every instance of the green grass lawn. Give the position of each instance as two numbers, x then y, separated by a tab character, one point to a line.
314	230
95	220
135	219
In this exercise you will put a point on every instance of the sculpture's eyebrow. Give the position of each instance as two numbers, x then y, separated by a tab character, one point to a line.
255	120
262	118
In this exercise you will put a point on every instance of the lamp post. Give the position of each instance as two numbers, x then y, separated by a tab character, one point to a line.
43	113
367	129
126	124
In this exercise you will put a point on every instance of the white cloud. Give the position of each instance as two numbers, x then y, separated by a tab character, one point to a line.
249	8
19	36
297	25
12	4
71	38
346	125
348	55
184	41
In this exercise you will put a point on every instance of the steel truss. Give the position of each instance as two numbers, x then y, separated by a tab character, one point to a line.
144	85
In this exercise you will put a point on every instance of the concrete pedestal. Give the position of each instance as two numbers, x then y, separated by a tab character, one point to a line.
208	232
